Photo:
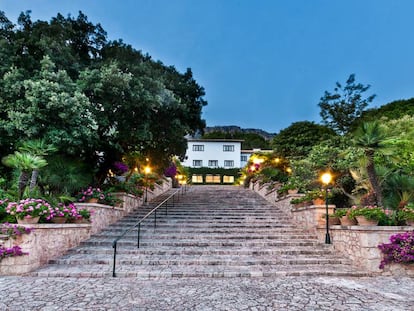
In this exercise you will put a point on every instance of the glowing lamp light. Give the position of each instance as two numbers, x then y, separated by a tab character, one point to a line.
326	178
147	170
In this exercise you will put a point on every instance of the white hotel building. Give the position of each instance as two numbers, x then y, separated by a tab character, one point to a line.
215	153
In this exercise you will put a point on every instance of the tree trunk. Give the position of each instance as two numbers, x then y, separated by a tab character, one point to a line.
373	178
33	179
23	179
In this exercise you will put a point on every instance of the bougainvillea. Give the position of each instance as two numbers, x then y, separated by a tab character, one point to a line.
11	252
400	250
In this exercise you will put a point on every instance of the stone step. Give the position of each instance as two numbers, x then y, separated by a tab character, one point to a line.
98	251
209	232
201	243
149	272
200	261
209	236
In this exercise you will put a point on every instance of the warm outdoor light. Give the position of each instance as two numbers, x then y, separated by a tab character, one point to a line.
326	179
147	170
289	170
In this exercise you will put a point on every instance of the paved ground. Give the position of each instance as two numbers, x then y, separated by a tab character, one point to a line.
289	293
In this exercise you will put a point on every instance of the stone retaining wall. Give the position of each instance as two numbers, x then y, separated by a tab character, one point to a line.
49	241
358	243
45	242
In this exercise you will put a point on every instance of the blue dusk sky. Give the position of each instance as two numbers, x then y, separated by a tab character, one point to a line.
263	63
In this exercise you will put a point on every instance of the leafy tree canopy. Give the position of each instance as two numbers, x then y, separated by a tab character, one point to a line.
392	111
344	105
251	140
63	82
298	139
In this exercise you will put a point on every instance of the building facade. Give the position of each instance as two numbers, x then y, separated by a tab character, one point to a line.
213	153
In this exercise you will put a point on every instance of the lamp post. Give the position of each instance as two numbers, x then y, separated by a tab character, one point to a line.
326	178
147	170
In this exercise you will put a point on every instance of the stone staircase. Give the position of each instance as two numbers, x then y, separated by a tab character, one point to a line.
213	231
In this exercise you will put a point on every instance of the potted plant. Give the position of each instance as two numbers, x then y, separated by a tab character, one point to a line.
91	195
407	214
368	215
301	202
62	213
345	218
84	215
28	210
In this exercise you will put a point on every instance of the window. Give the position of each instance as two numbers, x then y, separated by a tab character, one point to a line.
228	163
198	147
213	163
244	158
228	147
197	162
197	179
213	179
228	179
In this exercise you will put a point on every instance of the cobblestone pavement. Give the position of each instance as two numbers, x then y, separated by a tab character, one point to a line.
288	293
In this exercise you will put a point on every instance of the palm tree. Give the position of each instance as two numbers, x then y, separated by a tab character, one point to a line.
37	147
371	138
25	162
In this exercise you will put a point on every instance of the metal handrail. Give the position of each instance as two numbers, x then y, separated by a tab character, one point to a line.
138	224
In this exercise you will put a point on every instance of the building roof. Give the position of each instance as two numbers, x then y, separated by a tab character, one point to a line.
215	140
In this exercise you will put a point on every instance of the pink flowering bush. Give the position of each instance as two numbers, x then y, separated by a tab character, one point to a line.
28	208
11	252
91	193
400	250
13	230
68	211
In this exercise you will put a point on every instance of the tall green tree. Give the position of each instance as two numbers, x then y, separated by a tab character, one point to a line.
371	138
344	105
298	139
48	106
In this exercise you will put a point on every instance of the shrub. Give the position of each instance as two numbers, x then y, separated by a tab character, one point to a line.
400	250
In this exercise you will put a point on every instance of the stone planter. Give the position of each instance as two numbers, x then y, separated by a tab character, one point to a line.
346	221
363	221
92	200
332	221
59	220
293	191
28	220
318	201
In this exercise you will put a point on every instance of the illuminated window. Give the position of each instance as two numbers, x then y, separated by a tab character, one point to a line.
228	179
213	179
197	179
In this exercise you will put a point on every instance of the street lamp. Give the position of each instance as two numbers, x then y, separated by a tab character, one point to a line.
326	179
147	170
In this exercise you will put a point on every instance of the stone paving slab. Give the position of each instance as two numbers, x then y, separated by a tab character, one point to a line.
287	293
